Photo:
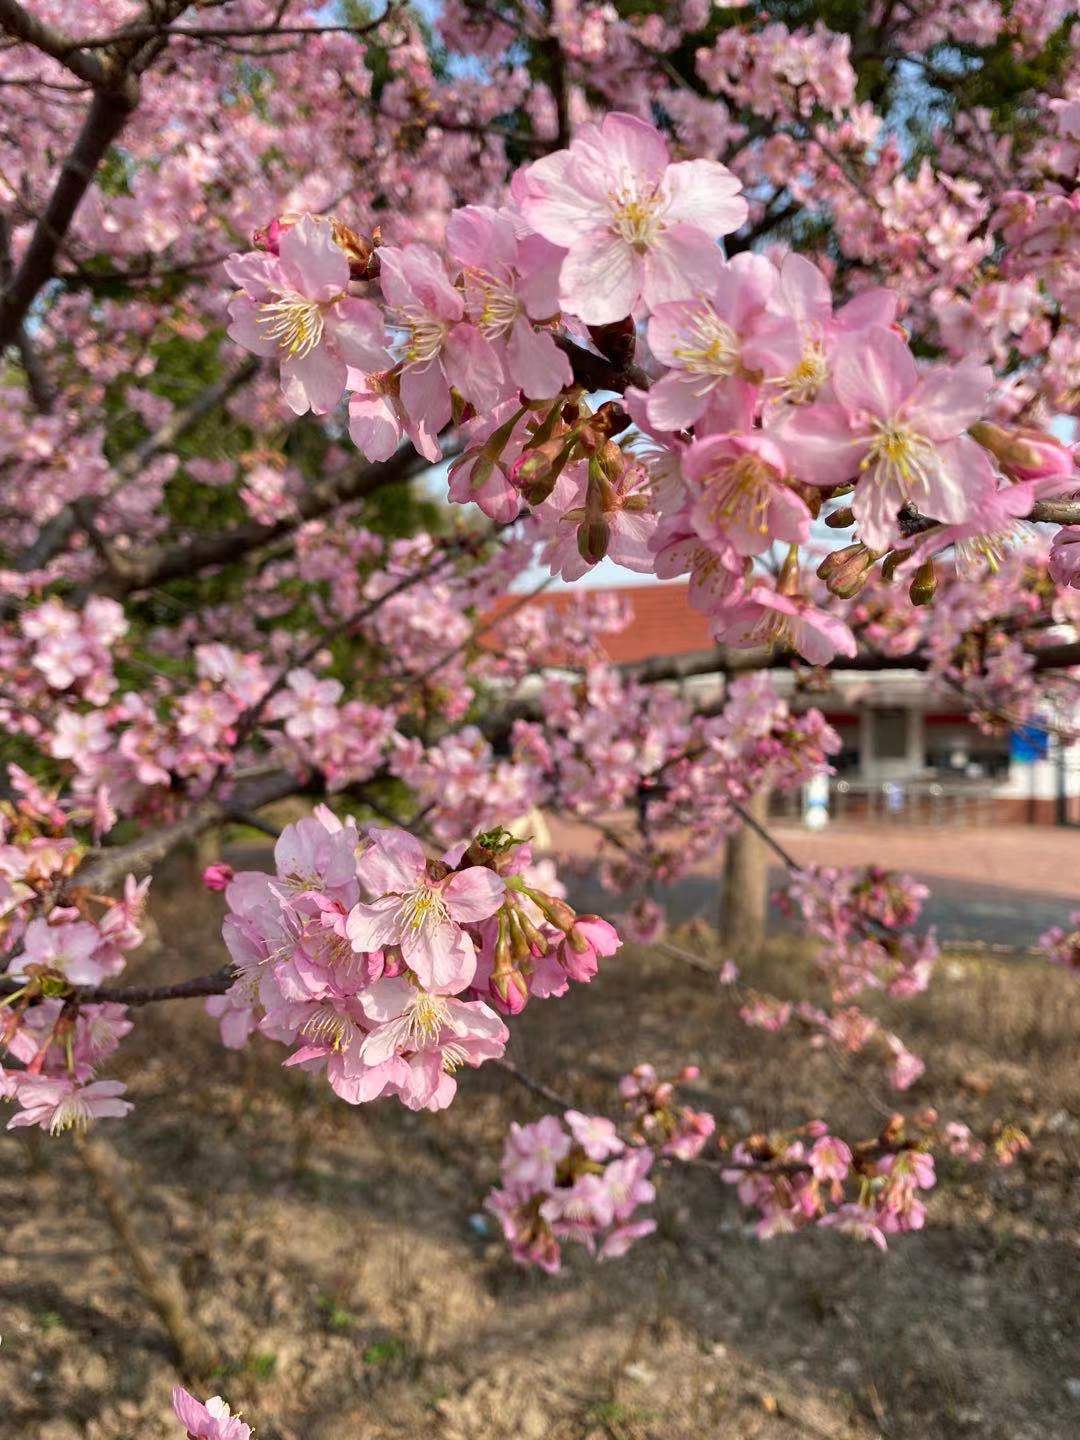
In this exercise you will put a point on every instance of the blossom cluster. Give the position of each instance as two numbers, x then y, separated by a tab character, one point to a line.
859	914
1062	946
573	1180
811	1177
757	402
581	1178
387	970
54	1044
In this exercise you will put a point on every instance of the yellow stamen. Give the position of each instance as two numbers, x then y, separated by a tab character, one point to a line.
294	323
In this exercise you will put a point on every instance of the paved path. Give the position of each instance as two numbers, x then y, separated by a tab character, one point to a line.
1003	884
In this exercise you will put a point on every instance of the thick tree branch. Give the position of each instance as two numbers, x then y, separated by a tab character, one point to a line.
53	42
116	95
110	867
55	533
207	552
107	116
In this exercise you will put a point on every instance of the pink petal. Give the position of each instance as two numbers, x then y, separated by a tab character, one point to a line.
259	274
386	999
536	363
426	277
873	371
246	329
359	337
804	292
189	1411
443	957
479	236
473	367
374	426
819	445
394	861
601	278
316	264
706	194
564	199
627	145
945	402
473	894
315	381
875	505
374	926
678	399
683	262
876	306
426	396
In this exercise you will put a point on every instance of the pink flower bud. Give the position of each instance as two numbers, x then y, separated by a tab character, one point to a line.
217	876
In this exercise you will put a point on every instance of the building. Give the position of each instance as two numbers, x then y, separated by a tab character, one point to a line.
909	751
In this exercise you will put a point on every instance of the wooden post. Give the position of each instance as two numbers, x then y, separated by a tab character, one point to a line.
746	884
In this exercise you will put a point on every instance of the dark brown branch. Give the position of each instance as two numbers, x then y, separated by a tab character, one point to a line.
596	373
209	551
199	985
54	535
116	96
1046	512
107	116
227	32
110	867
726	662
37	381
54	43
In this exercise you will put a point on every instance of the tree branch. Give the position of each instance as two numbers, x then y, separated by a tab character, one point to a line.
107	116
55	43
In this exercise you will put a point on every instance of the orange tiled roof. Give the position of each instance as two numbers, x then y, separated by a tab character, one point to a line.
664	623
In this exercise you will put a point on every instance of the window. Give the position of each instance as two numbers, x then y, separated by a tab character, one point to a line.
890	732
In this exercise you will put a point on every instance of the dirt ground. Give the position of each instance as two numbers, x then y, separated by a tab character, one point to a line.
340	1263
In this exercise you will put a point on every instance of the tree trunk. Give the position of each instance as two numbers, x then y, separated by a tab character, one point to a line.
746	884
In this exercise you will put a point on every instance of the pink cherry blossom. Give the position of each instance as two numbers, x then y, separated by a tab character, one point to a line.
422	910
903	437
433	1034
56	1103
742	498
767	617
634	225
486	244
440	347
589	939
721	344
212	1421
295	306
596	1135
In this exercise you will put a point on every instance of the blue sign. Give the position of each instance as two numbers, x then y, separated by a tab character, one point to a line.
1029	743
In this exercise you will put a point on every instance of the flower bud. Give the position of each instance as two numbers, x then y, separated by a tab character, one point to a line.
1025	453
217	876
593	537
511	987
556	911
846	571
537	469
924	584
841	519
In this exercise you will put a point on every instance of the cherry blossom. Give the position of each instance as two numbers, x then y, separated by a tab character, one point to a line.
633	224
